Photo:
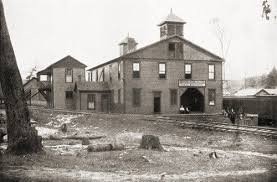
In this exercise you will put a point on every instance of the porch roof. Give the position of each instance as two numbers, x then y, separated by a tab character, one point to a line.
92	86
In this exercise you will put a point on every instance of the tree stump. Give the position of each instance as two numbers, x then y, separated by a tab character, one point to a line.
85	141
151	142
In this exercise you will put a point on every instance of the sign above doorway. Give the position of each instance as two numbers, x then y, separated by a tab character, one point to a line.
192	83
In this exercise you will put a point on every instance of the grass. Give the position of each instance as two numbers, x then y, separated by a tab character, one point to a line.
187	152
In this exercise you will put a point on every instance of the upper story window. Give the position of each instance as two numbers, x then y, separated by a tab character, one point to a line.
43	78
68	75
136	70
162	70
211	72
119	71
102	76
187	71
171	46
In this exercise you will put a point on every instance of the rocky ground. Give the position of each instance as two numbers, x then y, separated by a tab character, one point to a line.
186	156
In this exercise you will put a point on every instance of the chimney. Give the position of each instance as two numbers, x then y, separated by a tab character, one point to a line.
127	45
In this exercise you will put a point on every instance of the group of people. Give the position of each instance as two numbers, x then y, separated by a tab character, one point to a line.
184	110
232	114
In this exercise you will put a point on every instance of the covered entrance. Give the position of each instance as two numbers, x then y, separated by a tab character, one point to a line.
193	99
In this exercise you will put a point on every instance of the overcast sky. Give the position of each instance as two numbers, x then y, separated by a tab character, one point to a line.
44	31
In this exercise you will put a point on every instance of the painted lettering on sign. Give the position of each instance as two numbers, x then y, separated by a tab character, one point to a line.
192	83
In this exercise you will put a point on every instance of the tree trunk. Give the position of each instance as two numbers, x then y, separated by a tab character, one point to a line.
22	138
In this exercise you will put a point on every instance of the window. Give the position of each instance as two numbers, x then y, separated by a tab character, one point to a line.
211	95
96	76
43	78
136	97
91	101
162	70
68	75
173	97
68	94
119	71
211	72
102	76
119	96
171	46
89	77
136	70
187	71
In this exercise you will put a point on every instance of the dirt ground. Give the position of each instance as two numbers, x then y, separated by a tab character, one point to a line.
241	157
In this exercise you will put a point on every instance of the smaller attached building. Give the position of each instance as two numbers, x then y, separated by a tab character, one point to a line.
59	82
95	97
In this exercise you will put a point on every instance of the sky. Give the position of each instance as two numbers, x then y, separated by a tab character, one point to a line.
44	31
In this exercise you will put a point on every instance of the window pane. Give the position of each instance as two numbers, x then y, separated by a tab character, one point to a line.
211	75
91	101
162	68
135	66
188	68
68	78
171	46
211	68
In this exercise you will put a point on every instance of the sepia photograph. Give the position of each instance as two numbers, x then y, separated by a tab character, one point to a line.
138	90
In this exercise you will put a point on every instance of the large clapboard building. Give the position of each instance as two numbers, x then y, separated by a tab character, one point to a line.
157	78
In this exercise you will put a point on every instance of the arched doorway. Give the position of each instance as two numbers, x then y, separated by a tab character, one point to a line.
193	99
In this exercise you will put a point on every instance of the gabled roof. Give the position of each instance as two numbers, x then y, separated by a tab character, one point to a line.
155	43
251	92
172	18
28	81
66	62
271	91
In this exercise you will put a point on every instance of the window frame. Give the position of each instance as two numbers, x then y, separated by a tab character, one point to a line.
136	102
165	72
185	71
211	72
66	71
136	74
94	101
209	97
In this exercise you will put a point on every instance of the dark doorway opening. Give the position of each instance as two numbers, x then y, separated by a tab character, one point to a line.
193	99
157	102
